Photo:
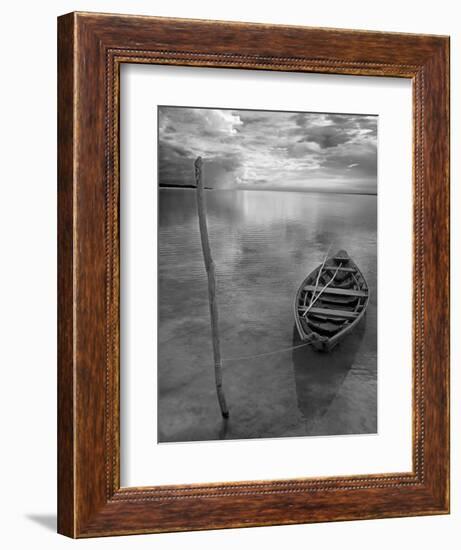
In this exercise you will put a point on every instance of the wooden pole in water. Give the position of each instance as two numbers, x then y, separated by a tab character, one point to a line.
210	269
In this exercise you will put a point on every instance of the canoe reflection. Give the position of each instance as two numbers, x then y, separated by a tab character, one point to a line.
320	376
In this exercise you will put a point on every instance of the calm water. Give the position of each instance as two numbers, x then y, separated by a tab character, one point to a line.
263	243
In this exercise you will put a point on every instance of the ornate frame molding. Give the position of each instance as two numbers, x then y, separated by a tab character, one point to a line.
91	49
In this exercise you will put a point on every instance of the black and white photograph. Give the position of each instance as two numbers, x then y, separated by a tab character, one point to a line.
267	274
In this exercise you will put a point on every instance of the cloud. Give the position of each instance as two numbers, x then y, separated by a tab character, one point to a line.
329	130
175	165
268	149
212	122
303	149
326	136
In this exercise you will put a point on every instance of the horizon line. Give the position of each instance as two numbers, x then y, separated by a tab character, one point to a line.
277	189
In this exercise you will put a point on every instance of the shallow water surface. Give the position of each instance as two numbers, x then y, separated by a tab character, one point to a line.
263	243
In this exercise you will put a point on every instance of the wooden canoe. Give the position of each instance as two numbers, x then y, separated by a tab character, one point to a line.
329	306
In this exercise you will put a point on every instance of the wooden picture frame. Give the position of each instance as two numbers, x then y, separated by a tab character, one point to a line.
92	48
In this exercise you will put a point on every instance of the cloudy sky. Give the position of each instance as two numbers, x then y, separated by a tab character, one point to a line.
268	149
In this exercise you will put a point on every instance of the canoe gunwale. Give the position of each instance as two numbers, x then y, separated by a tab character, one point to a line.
325	341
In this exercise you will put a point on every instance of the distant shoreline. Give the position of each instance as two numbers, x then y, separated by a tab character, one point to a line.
183	187
290	190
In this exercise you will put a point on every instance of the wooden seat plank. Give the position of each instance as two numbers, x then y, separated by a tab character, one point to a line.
335	267
339	259
338	291
338	313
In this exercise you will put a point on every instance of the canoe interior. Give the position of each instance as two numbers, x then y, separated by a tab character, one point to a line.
328	306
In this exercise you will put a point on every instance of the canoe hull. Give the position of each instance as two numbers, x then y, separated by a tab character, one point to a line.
324	327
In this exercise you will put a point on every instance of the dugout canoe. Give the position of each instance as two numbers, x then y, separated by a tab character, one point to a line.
331	301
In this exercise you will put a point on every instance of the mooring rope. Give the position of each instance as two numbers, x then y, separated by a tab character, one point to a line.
319	274
243	357
314	300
